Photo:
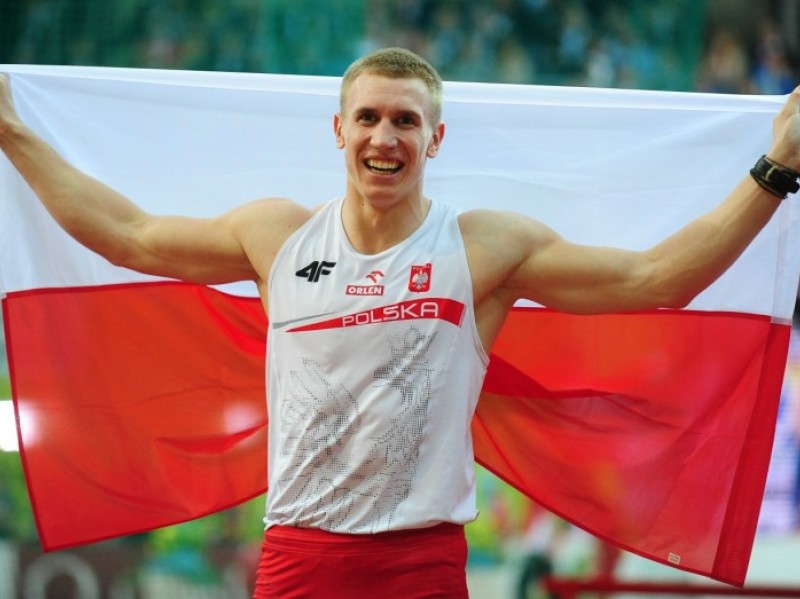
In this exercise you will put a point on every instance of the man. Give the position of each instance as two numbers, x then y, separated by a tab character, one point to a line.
383	306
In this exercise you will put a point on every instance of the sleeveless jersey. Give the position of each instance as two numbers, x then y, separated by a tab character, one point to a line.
374	366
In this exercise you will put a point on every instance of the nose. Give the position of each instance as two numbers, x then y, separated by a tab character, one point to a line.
383	134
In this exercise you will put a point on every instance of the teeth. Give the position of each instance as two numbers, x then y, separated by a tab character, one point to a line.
383	165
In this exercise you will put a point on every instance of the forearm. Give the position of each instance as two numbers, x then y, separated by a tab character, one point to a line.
91	212
694	257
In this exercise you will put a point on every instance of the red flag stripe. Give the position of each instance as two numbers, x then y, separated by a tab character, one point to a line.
651	430
139	405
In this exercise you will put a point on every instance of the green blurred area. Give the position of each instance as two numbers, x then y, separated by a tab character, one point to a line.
654	45
16	518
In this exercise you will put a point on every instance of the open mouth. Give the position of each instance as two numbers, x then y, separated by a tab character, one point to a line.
383	167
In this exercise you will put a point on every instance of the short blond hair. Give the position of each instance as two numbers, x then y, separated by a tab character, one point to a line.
396	63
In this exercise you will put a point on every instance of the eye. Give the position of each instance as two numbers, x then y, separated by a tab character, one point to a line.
406	121
366	117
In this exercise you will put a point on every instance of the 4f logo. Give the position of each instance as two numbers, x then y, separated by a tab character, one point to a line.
420	279
317	268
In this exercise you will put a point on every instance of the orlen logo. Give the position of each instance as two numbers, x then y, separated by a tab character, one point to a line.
439	308
374	289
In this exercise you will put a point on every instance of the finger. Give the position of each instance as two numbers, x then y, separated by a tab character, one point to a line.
793	101
790	109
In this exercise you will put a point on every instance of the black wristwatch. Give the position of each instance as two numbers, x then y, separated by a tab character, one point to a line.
777	179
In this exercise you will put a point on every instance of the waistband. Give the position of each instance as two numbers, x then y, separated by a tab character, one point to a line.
288	538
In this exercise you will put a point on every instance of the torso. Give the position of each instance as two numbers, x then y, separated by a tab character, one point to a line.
374	370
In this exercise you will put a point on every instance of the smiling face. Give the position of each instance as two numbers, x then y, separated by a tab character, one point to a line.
387	133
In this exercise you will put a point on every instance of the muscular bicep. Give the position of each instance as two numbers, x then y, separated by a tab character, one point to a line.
582	279
191	249
238	245
516	257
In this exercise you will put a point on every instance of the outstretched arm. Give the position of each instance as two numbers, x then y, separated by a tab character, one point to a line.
534	262
216	250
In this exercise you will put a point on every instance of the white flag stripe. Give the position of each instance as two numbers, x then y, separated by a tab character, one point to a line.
611	167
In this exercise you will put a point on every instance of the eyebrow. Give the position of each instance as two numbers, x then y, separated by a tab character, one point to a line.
358	111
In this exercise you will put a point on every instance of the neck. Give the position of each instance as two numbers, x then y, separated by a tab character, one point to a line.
372	229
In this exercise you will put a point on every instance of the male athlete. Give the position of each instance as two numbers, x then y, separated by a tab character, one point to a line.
370	456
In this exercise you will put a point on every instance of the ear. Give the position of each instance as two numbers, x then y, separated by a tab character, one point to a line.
337	130
436	141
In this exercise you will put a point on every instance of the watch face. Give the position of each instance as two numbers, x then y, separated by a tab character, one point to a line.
777	180
780	176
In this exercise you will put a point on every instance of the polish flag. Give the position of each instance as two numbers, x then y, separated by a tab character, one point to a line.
140	401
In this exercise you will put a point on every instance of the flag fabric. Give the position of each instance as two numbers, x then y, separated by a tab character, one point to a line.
140	401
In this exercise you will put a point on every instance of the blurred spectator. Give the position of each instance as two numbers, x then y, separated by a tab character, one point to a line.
772	73
725	66
600	71
41	38
573	42
513	64
162	27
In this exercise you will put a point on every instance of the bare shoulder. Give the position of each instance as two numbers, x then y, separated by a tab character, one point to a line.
274	210
488	243
263	226
500	231
474	222
498	245
268	219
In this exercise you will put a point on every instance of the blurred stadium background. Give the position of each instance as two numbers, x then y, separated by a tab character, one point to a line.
718	46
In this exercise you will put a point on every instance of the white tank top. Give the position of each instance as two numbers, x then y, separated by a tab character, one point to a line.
374	368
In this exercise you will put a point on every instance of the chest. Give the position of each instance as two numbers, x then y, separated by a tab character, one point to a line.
318	274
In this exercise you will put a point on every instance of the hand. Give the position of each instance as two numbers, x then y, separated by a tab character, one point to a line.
785	148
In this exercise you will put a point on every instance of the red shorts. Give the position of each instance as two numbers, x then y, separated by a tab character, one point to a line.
307	563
